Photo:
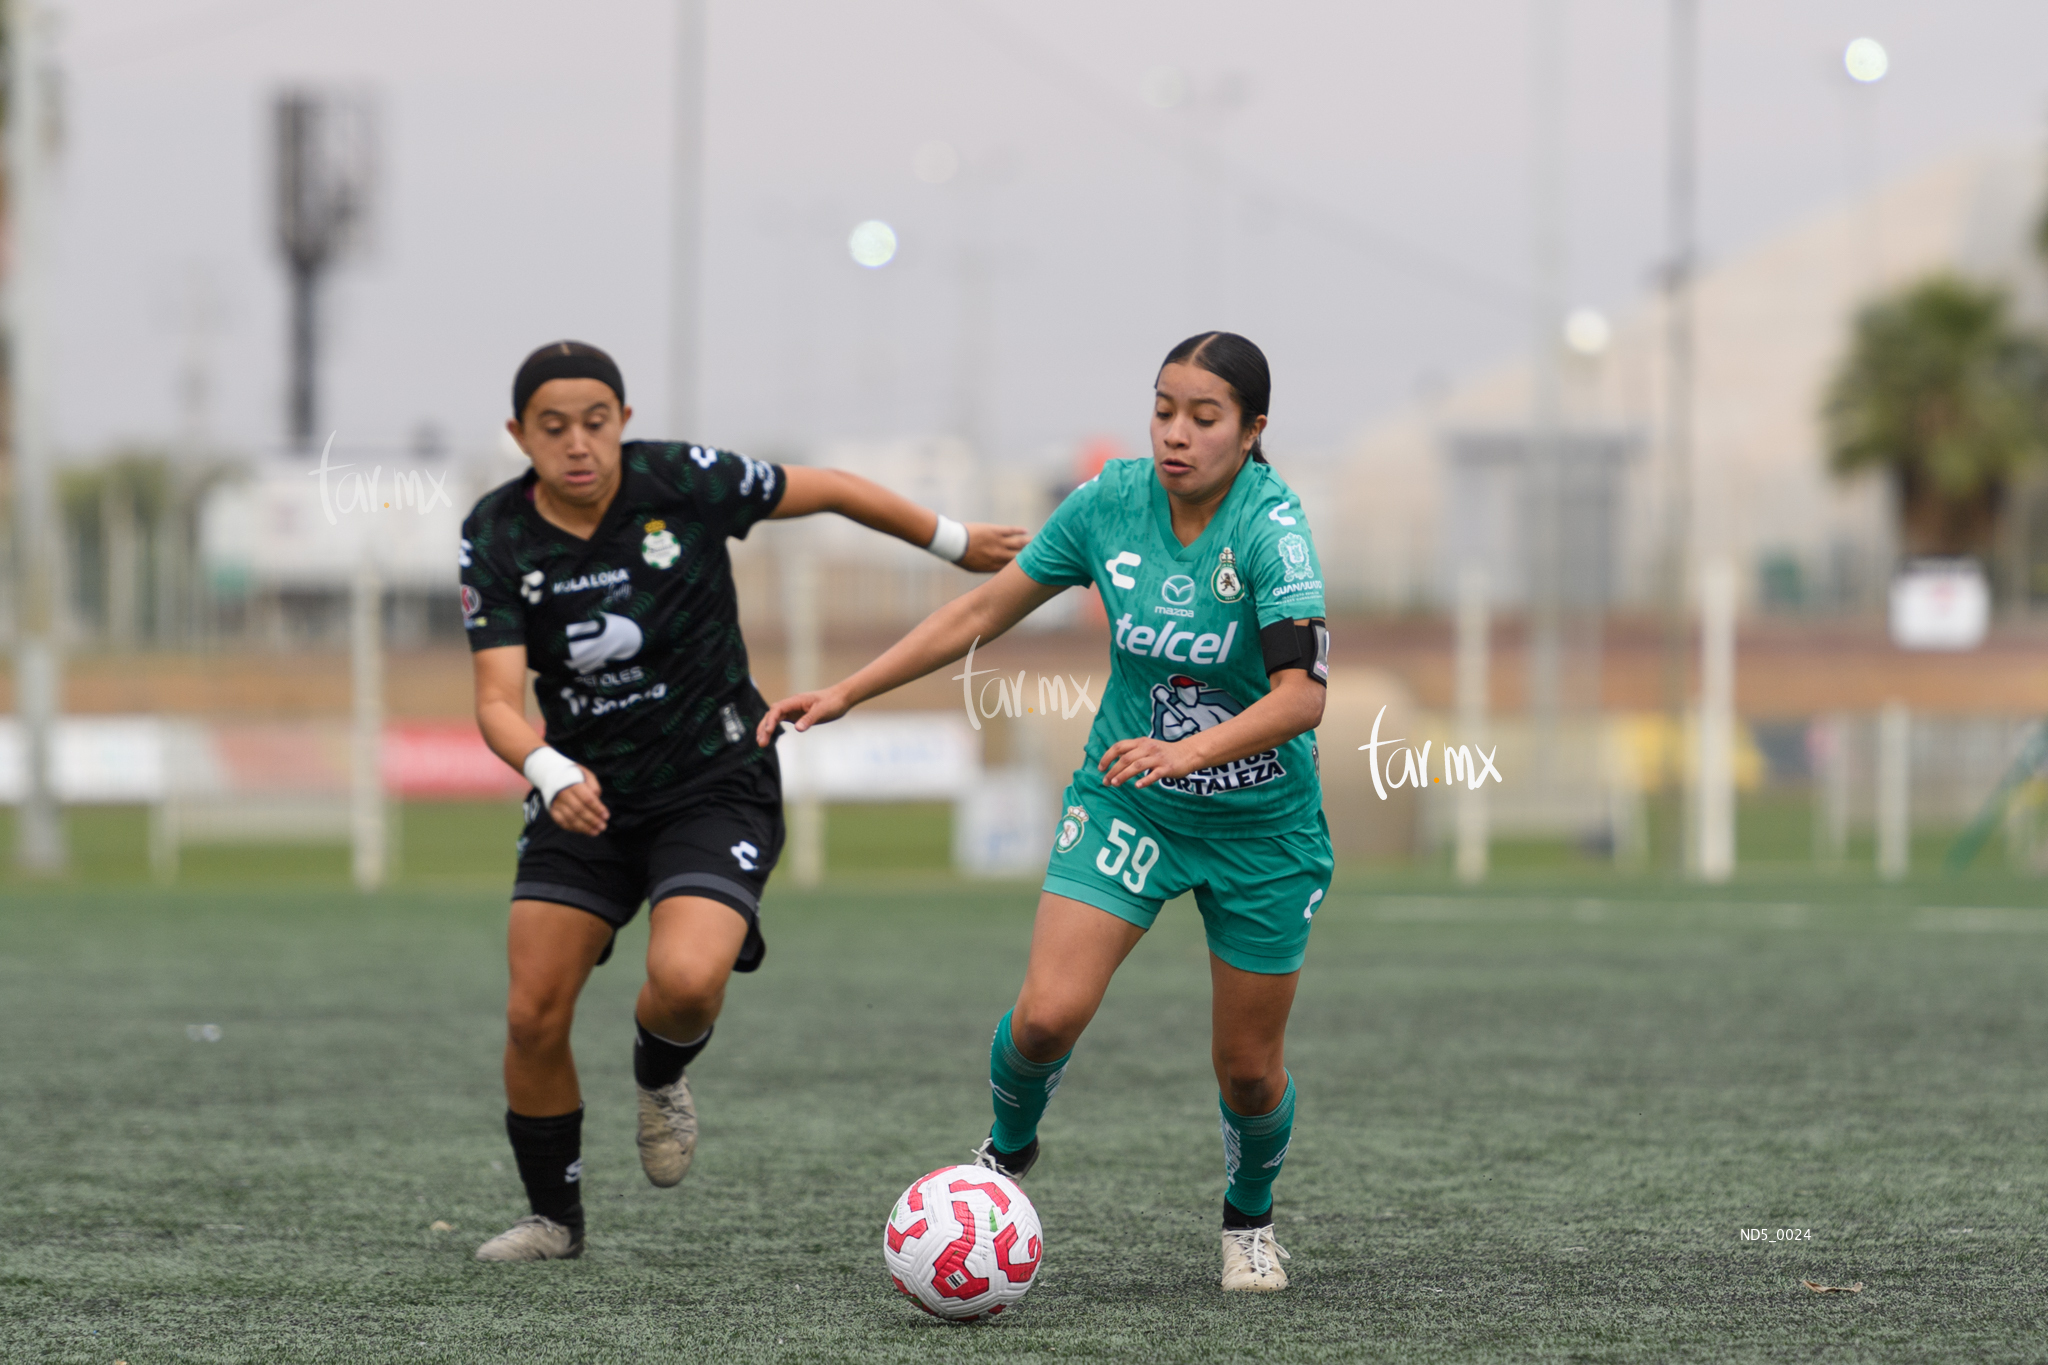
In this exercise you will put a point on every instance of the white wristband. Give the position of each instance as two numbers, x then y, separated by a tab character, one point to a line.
949	541
551	770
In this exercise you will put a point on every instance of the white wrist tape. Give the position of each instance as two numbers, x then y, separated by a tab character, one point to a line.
551	770
949	541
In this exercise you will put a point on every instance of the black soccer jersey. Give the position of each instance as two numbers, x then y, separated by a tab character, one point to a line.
634	632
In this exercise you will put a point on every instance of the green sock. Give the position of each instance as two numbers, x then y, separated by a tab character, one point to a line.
1253	1149
1022	1089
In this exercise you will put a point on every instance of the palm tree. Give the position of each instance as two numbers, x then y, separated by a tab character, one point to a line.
1941	391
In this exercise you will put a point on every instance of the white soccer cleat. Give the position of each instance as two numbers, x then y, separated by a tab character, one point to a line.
668	1132
1251	1260
533	1238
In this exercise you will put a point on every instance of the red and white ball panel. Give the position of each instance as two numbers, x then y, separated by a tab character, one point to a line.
963	1243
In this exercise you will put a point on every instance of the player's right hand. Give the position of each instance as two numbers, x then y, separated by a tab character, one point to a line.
990	547
805	708
580	808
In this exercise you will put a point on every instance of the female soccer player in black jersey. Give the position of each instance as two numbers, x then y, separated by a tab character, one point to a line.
604	570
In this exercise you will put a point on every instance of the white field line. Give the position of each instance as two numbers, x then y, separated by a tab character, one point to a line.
1981	919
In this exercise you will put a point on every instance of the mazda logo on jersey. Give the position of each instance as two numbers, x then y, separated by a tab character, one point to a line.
610	639
1178	590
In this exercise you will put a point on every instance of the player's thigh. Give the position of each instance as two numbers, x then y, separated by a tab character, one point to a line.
550	949
719	851
692	943
1259	895
1075	950
602	875
1248	1020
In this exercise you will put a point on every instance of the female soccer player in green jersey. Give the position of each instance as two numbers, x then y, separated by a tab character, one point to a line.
1200	772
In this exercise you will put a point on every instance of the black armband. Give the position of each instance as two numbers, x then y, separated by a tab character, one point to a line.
1287	645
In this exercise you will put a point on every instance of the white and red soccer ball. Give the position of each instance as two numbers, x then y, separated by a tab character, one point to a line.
963	1243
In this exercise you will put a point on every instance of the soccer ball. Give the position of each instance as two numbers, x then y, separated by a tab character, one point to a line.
962	1243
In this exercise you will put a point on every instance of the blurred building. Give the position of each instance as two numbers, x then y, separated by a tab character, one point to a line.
1443	483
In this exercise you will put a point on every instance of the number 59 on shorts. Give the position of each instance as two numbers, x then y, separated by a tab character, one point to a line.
1142	858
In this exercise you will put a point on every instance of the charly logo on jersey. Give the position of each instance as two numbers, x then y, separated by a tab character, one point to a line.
1294	557
1117	565
1072	826
609	639
1182	706
659	548
529	586
1225	583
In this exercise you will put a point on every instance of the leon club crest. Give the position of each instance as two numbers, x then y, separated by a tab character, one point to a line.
659	548
1072	825
1225	583
1182	706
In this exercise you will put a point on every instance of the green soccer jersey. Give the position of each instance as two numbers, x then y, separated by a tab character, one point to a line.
1185	622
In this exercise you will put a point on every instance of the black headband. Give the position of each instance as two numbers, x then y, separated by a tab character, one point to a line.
564	360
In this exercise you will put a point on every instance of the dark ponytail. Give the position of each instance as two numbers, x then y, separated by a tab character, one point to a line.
1237	363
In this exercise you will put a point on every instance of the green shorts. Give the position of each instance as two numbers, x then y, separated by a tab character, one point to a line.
1258	896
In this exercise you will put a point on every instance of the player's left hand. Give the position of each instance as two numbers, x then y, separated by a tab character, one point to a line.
991	547
1148	760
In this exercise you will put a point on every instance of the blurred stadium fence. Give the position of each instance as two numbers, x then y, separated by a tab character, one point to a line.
256	782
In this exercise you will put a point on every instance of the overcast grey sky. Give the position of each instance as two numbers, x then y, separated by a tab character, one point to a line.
1362	211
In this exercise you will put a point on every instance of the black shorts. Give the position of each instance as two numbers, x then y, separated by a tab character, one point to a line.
721	843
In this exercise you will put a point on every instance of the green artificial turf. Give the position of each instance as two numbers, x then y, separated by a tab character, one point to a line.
1534	1122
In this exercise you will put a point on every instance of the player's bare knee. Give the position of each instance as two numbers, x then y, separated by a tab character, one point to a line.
687	989
1044	1034
537	1025
1250	1085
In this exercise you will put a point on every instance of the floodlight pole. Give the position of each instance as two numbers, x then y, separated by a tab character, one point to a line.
1471	699
1545	454
1681	206
1714	767
305	352
686	229
308	227
38	676
806	669
369	831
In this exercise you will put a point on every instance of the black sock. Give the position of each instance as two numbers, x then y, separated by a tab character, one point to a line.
549	1152
657	1061
1234	1217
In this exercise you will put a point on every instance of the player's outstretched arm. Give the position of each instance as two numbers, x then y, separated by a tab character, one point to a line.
501	715
810	491
938	640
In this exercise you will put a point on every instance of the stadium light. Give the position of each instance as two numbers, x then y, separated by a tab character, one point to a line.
1587	332
1866	61
873	244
